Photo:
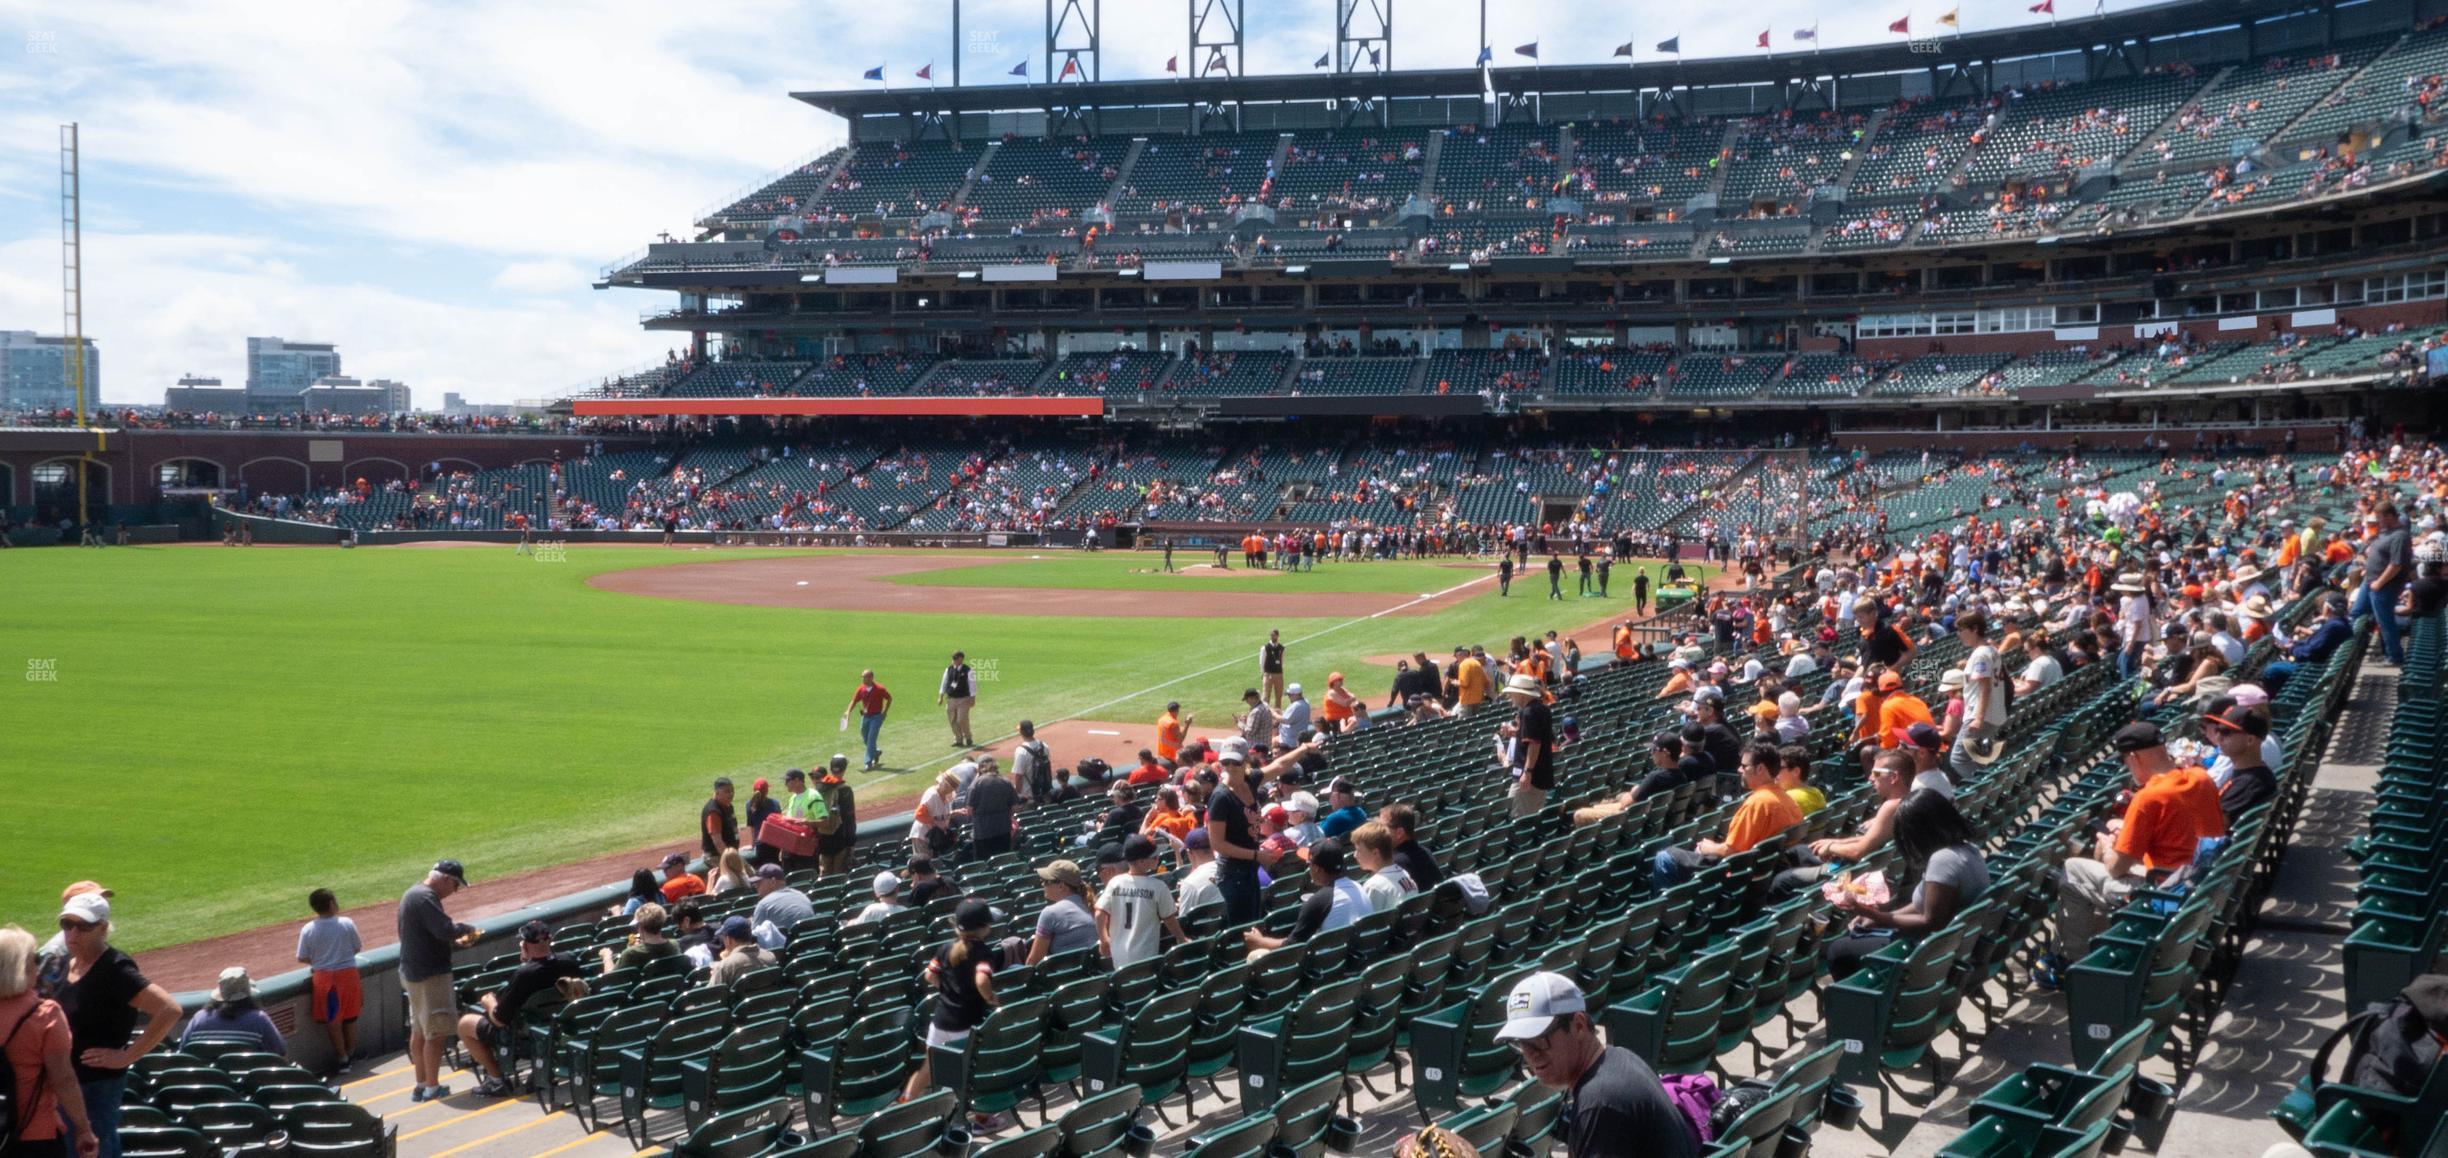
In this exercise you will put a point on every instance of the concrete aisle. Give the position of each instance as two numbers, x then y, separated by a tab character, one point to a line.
2288	994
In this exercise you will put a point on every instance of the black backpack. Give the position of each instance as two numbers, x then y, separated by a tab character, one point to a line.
1041	771
2389	1049
8	1079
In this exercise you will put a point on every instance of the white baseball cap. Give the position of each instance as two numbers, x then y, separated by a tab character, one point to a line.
1536	1003
87	907
886	884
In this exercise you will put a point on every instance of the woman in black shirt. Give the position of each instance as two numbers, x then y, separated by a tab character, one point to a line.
105	998
962	975
1236	847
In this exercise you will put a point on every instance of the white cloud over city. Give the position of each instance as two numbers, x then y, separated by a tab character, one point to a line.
433	185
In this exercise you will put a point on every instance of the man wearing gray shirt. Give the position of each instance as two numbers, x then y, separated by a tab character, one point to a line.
2387	564
427	937
778	904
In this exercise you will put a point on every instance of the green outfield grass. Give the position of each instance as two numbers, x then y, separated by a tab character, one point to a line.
225	730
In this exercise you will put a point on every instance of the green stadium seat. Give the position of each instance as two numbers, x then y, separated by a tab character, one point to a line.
859	1072
908	1129
992	1069
748	1132
746	1068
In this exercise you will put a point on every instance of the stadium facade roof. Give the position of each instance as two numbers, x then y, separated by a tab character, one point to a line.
2075	34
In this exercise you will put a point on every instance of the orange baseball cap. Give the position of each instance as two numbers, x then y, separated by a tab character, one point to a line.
1890	681
81	888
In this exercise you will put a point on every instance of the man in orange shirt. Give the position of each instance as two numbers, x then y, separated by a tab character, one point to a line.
2173	808
1764	813
678	883
1624	647
1169	729
1887	713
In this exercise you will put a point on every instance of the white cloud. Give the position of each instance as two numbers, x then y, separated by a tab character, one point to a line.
160	306
540	277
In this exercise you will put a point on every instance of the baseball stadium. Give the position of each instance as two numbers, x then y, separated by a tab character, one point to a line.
1877	599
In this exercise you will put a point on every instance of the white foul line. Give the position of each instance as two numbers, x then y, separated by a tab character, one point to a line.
1084	713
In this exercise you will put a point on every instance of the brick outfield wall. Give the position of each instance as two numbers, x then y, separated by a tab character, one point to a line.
279	461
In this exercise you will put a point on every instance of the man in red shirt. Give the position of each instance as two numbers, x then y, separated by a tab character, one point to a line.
1150	772
2173	807
871	701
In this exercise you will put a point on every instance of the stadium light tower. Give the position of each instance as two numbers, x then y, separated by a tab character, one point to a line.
1074	29
1364	31
1207	51
1076	32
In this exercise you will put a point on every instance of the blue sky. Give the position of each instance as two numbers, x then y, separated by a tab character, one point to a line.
434	185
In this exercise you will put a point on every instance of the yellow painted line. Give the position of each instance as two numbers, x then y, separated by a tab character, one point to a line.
574	1145
367	1101
504	1134
409	1074
495	1108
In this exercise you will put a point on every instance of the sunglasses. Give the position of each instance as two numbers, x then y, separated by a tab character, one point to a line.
72	925
1537	1047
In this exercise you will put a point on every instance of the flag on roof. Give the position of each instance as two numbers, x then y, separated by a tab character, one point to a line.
876	73
1811	33
1173	64
1486	54
1624	49
2045	7
1673	44
1949	18
1763	40
928	72
1530	50
1323	59
1019	70
1070	65
1373	56
1903	26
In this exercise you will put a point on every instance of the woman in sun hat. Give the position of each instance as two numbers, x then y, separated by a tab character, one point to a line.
2255	611
2135	608
1533	744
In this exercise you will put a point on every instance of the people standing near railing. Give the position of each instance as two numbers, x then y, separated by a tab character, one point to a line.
328	946
427	938
106	998
41	1052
